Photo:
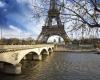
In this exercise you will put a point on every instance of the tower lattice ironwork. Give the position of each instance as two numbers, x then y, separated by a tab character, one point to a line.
50	29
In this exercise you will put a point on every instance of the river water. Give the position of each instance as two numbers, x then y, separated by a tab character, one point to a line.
60	66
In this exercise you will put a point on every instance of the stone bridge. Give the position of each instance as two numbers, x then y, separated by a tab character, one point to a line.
12	55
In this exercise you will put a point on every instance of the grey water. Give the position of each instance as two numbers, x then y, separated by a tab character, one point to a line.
60	66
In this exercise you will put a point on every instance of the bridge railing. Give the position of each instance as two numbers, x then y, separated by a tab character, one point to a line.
4	48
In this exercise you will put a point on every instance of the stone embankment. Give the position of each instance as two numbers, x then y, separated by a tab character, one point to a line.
63	48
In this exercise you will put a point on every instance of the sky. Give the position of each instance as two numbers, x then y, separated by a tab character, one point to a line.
16	20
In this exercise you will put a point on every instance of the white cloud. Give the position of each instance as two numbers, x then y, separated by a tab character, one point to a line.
15	28
2	4
15	32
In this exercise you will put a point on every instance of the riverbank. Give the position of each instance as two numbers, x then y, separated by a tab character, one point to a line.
74	48
78	50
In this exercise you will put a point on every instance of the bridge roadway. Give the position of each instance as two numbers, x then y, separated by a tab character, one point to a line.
12	55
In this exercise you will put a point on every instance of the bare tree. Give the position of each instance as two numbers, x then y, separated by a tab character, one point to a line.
96	4
82	11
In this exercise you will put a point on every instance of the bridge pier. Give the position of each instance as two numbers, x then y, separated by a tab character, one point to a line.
37	57
10	69
50	51
45	53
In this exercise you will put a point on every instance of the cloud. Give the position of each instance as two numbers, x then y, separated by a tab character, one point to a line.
15	19
11	11
15	32
2	4
14	28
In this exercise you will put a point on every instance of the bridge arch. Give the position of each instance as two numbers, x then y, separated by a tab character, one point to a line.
27	56
9	68
30	56
4	64
44	52
50	50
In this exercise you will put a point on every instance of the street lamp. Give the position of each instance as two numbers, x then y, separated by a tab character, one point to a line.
1	32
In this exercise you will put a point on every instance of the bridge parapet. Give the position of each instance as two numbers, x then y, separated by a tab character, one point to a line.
7	48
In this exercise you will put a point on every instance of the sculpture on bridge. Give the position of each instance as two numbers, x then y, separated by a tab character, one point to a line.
49	29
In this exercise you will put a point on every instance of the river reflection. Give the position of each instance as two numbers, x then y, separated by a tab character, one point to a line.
60	66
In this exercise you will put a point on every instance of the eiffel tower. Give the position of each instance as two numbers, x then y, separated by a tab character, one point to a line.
49	29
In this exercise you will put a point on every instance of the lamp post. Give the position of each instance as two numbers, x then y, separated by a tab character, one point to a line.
1	32
1	41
